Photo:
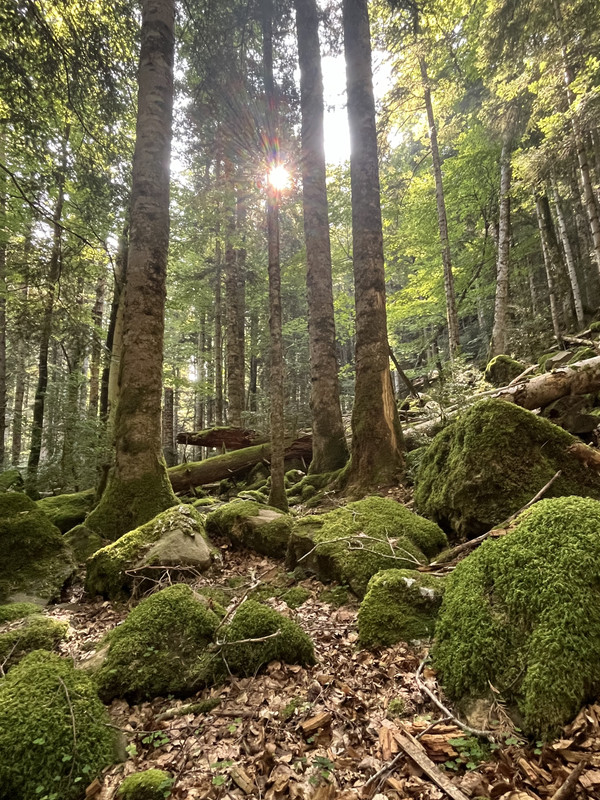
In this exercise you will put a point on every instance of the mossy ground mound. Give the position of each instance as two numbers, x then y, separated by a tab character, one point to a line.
34	559
400	606
174	538
42	700
14	611
84	542
503	369
490	462
310	486
159	648
523	612
254	621
153	784
249	524
351	544
67	510
33	633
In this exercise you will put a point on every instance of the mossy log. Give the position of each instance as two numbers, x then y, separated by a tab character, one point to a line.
186	476
226	438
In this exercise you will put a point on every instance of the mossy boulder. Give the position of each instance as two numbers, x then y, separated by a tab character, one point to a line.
401	605
309	486
14	611
54	731
247	523
502	369
34	559
522	612
11	479
255	621
490	462
160	648
152	784
174	538
351	544
35	632
84	542
67	510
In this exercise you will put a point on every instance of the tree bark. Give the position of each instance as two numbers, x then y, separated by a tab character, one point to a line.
330	451
222	438
234	312
570	260
138	487
218	341
3	287
168	429
499	330
549	253
96	354
114	337
17	425
376	435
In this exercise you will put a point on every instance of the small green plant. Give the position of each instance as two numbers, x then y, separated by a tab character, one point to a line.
471	753
221	768
234	725
324	768
156	739
396	708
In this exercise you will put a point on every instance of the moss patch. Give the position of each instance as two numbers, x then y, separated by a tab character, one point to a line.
67	510
490	462
296	596
351	544
15	611
523	612
253	621
157	650
400	606
249	524
153	784
179	529
83	542
41	699
34	633
502	369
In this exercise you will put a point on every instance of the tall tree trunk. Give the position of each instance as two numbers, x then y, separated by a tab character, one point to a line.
114	336
17	425
96	354
234	313
218	365
376	435
550	266
277	495
54	267
253	381
330	451
240	211
168	428
3	287
499	330
451	313
138	487
569	259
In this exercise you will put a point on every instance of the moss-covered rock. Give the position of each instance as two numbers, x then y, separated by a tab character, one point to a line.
401	605
84	542
205	502
153	784
309	486
160	648
523	612
11	479
67	510
490	462
254	621
582	354
249	524
595	327
35	632
54	731
351	544
174	538
502	369
14	611
34	559
296	596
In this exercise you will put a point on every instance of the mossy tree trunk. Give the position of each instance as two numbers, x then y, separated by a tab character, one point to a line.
168	428
330	451
138	487
499	329
376	435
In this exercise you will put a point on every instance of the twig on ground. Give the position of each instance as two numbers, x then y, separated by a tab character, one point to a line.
415	751
73	724
568	786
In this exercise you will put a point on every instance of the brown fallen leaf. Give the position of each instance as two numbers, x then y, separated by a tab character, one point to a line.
313	724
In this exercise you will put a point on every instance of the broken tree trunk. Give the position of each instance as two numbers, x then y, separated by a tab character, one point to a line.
226	438
186	476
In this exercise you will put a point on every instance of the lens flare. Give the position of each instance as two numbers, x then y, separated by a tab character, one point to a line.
279	178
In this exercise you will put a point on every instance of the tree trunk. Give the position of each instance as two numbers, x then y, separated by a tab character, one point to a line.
253	381
3	287
570	261
549	252
376	435
168	430
330	451
228	438
451	313
218	342
138	487
277	495
499	330
234	313
114	335
54	268
17	426
96	354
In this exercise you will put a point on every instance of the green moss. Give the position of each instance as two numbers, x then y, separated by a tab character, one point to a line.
249	524
287	712
335	595
253	621
523	612
583	353
83	542
35	633
106	570
400	606
490	462
15	611
156	650
205	502
67	510
11	479
218	599
253	494
502	369
310	484
153	784
296	596
344	554
54	732
396	708
595	327
34	559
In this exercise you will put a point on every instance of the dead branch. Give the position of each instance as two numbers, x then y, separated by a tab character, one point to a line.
415	751
568	786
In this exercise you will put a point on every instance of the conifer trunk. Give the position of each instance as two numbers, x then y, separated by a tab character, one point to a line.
376	435
96	354
550	265
330	451
499	330
234	312
168	429
570	260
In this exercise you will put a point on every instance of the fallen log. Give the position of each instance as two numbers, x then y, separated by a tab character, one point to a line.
196	473
224	438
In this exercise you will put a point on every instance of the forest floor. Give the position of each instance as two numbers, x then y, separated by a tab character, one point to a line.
321	732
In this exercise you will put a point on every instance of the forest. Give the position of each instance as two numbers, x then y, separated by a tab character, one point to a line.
299	400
